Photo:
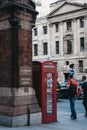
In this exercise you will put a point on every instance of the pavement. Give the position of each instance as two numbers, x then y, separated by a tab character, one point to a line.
64	123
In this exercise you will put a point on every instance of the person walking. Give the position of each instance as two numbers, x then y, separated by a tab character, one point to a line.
72	95
84	89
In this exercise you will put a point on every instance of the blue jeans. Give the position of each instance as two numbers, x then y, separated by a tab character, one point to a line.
85	106
72	106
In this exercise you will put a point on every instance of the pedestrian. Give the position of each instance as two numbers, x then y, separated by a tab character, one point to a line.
72	95
84	89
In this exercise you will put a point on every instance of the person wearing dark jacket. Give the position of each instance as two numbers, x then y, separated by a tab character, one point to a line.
72	99
84	89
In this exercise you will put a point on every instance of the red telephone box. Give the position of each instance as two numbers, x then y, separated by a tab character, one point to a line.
44	82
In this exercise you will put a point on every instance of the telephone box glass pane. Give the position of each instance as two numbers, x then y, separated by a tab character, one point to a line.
49	93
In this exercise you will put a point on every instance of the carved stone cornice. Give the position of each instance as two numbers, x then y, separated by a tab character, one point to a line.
11	7
13	4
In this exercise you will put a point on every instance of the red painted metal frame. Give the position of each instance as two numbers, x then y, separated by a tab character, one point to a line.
41	74
49	67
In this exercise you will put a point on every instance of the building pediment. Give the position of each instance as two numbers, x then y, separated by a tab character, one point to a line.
65	8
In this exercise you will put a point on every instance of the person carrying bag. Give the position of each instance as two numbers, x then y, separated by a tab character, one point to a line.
72	93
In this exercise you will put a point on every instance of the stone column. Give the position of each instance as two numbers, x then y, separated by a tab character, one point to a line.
75	37
85	23
18	103
61	39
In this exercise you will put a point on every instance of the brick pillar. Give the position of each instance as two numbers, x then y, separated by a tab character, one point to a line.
18	103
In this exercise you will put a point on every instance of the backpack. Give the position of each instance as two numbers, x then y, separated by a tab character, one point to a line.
72	90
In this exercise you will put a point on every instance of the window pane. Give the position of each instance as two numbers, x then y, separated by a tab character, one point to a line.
67	62
80	66
82	44
35	32
81	22
45	29
45	48
69	46
36	50
57	27
69	25
57	47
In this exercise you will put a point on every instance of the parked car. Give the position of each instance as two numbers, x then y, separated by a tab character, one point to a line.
62	91
58	90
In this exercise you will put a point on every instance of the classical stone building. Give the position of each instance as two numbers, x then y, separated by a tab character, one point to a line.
61	36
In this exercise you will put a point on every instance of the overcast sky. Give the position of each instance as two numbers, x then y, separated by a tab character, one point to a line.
44	9
47	2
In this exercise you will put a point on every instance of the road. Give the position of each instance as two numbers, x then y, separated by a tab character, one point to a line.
63	119
63	108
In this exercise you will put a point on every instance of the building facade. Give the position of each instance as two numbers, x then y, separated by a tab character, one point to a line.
61	36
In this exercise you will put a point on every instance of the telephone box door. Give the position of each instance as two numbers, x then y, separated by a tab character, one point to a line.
49	104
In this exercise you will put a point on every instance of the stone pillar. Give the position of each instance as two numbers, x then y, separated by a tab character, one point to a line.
75	37
85	22
18	103
61	38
